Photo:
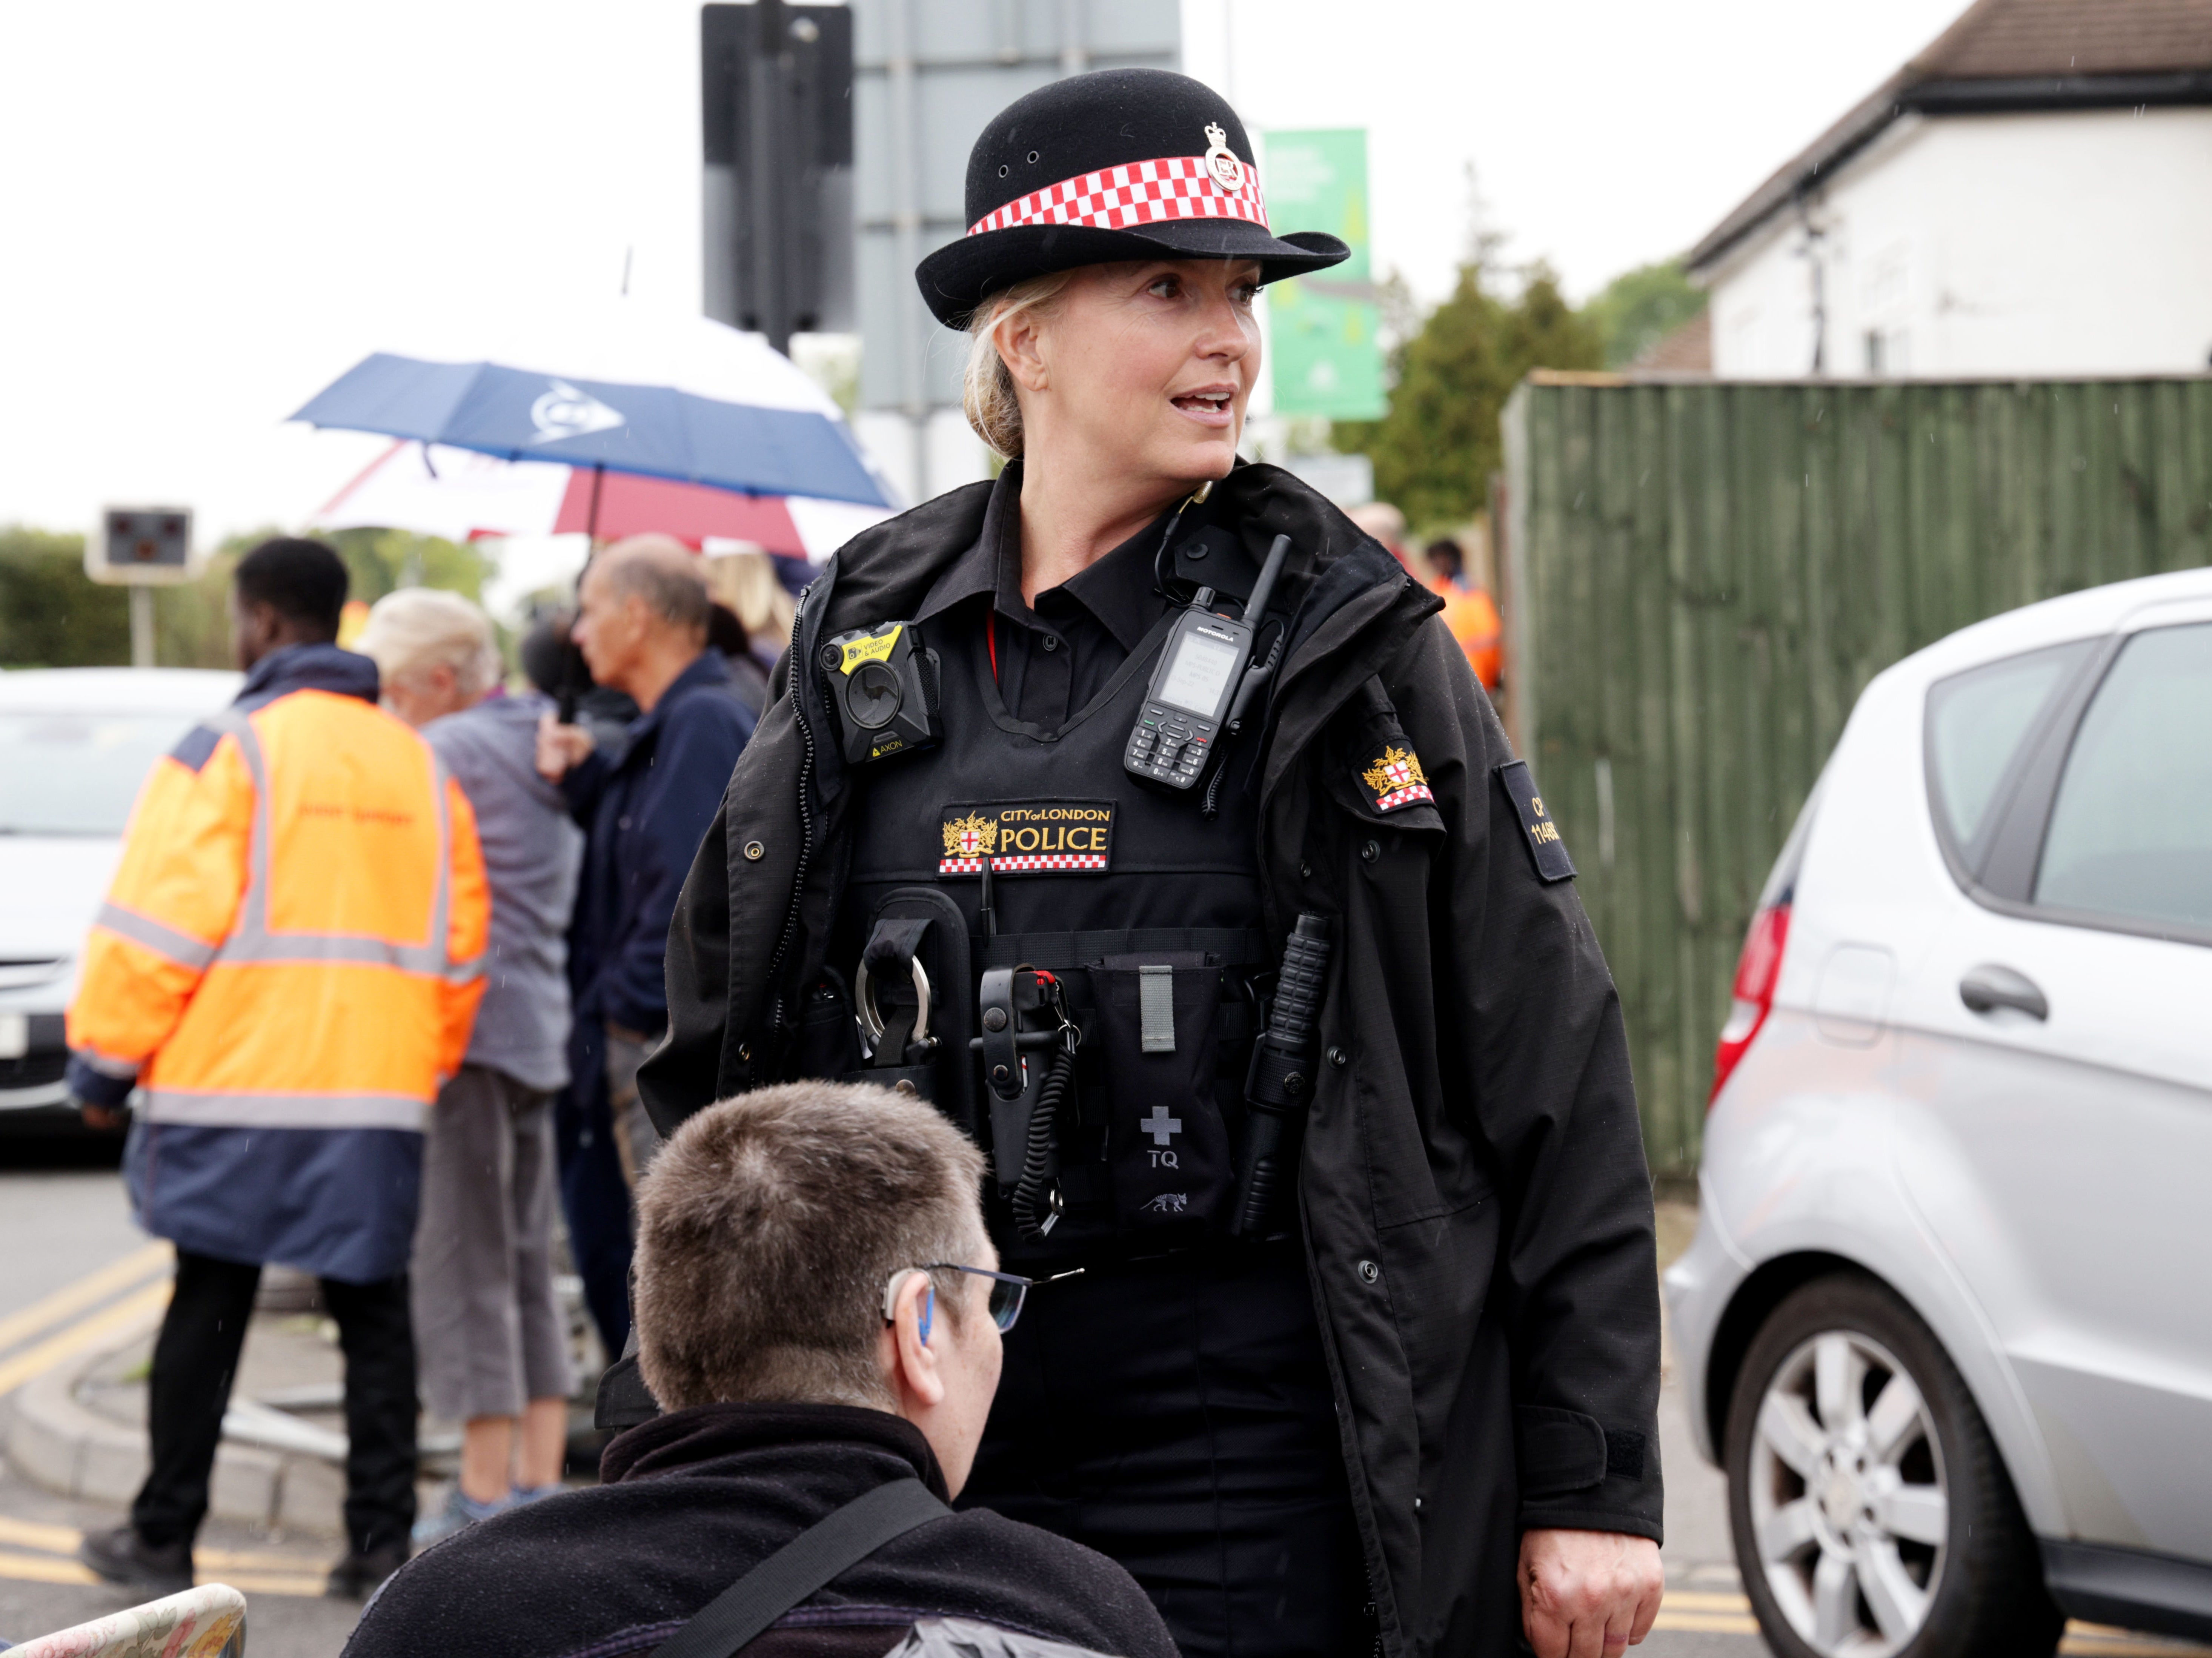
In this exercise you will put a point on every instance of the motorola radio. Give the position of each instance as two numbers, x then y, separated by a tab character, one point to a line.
884	683
1201	686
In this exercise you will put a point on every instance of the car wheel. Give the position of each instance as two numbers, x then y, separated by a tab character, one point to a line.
1873	1517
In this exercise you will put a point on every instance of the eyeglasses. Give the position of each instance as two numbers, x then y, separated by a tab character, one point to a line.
1008	1290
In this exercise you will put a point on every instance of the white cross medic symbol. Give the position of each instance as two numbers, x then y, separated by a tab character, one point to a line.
1399	772
1160	1126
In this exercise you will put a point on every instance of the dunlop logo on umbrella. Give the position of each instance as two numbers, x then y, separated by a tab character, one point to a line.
1028	837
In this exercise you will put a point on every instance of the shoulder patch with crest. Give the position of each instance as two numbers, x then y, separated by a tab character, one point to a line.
1539	834
1396	778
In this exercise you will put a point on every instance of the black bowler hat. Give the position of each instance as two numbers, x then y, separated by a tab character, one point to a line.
1117	164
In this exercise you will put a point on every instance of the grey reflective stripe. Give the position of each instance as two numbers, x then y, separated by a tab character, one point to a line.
343	947
180	947
465	973
254	910
1156	1009
251	940
441	906
121	1070
276	1110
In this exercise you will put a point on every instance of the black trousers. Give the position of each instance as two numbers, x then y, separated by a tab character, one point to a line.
594	1197
1176	1416
196	1358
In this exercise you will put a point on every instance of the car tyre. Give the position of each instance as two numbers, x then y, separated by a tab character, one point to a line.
1872	1516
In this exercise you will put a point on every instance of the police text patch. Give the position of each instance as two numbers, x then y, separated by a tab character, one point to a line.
1540	834
1396	778
1029	837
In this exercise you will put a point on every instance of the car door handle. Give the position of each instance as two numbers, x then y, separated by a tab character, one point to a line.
1988	987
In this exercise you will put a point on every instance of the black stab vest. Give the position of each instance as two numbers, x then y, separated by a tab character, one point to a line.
1147	909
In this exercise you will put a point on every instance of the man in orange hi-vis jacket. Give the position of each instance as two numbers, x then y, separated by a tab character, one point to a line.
1469	612
286	968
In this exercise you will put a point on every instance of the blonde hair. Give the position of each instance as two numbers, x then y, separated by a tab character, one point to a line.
418	628
747	582
987	390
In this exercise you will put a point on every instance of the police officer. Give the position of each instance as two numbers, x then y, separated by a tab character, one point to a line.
1000	841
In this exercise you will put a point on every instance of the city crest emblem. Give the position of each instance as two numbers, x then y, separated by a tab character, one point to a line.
1221	161
1396	778
972	836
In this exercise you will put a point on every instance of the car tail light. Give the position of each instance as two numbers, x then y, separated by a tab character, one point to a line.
1757	972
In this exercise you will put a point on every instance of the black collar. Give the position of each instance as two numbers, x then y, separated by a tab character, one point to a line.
700	1433
1117	589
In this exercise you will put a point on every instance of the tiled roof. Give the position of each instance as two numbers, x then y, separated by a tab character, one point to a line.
1685	350
2005	38
2000	55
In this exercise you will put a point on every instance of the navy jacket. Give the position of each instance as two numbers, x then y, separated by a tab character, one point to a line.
644	811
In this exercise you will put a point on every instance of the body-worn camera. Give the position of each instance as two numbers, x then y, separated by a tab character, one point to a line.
883	683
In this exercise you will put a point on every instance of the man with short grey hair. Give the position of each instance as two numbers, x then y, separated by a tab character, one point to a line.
818	1312
642	625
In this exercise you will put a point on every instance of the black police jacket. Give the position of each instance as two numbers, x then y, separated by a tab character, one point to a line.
1477	1213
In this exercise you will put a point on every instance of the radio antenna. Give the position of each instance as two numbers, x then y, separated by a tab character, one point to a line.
1255	608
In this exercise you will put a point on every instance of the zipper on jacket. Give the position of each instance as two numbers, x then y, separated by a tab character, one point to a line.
780	1021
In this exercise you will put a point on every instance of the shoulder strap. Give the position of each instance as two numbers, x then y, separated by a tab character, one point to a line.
801	1566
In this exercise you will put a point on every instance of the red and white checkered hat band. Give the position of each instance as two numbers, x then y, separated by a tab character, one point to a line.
1138	193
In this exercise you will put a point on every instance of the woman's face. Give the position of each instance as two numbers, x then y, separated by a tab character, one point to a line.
1145	368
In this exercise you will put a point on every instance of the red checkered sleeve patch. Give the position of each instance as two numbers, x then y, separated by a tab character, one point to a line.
1141	192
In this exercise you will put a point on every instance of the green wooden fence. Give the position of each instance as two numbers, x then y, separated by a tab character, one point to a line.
1700	579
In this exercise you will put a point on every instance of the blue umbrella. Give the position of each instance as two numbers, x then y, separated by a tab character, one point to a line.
626	389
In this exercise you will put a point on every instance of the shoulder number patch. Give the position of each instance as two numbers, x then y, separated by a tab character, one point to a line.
1030	837
1544	847
1396	778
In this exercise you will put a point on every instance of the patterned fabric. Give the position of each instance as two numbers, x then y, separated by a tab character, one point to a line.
201	1622
1141	192
1023	863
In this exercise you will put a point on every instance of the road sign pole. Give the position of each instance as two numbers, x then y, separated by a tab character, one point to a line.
141	627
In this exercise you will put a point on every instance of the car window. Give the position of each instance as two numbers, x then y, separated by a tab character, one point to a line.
2131	832
1976	723
77	773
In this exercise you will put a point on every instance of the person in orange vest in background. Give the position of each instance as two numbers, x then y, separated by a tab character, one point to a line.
287	969
1469	611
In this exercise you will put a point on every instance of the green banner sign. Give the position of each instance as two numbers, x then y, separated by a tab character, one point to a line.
1322	329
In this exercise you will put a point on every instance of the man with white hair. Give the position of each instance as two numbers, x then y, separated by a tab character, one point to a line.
641	624
491	1338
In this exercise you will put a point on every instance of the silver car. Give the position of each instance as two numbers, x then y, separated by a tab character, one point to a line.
75	744
1948	1319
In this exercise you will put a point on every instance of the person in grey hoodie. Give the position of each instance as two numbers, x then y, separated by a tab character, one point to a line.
491	1340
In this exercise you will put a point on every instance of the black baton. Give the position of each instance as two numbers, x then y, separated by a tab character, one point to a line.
1280	1085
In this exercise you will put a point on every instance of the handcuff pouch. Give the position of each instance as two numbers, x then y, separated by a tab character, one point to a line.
918	927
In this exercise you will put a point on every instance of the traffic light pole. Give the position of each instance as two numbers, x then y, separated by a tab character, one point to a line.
770	140
141	627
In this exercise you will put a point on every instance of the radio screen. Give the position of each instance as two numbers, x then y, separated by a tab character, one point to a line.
1199	673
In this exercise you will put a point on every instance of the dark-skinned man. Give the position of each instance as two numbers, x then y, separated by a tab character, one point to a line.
286	969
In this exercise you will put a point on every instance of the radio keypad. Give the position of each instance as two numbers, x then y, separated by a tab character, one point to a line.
1170	746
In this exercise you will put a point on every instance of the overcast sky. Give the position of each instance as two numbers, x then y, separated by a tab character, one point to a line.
207	212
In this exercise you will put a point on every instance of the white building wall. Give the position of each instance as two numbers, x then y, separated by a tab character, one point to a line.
2077	243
